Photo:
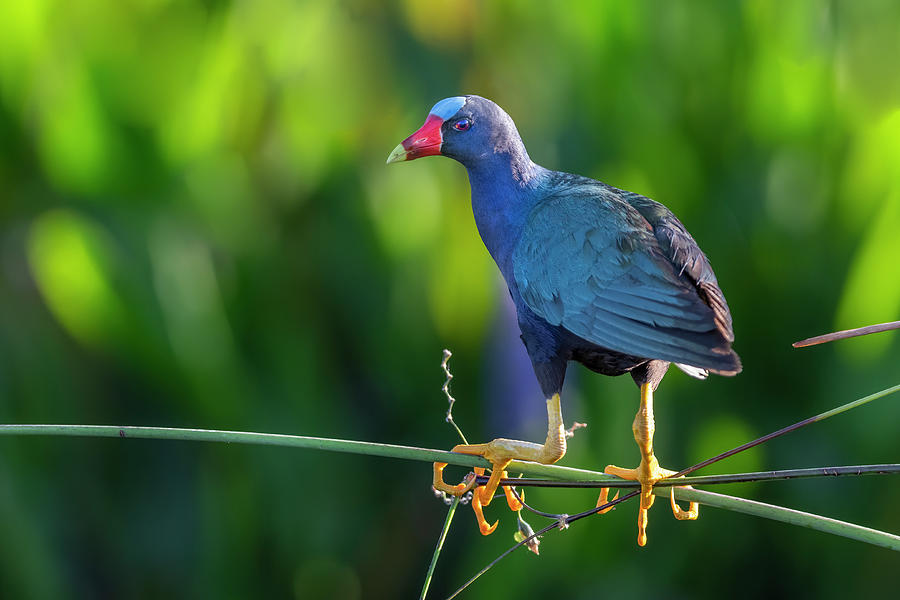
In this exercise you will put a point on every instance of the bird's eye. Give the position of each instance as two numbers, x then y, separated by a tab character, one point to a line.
462	124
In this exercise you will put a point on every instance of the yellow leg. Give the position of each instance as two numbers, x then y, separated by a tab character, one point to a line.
649	471
500	453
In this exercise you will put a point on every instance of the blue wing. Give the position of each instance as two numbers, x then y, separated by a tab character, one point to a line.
590	261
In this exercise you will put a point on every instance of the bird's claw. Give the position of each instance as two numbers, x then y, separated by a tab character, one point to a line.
484	494
477	503
684	515
459	489
693	512
604	499
481	495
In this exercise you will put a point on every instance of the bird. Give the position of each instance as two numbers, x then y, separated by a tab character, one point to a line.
599	275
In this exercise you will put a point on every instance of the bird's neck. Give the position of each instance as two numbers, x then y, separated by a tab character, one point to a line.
505	187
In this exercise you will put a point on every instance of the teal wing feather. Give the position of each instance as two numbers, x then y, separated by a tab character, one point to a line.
593	264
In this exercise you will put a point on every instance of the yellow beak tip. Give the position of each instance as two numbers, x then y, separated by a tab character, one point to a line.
398	154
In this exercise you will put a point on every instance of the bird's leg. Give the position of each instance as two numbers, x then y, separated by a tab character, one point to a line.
649	471
500	453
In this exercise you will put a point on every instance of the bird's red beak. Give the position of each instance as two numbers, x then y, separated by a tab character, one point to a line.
424	142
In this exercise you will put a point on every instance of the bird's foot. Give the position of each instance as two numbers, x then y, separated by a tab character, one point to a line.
484	494
500	453
648	473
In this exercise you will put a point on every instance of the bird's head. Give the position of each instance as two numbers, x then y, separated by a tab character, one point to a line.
465	128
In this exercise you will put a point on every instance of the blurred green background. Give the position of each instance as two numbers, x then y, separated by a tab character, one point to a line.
197	229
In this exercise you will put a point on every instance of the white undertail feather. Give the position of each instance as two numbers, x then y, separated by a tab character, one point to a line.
695	372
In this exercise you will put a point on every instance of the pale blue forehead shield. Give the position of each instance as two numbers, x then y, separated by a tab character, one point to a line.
448	107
